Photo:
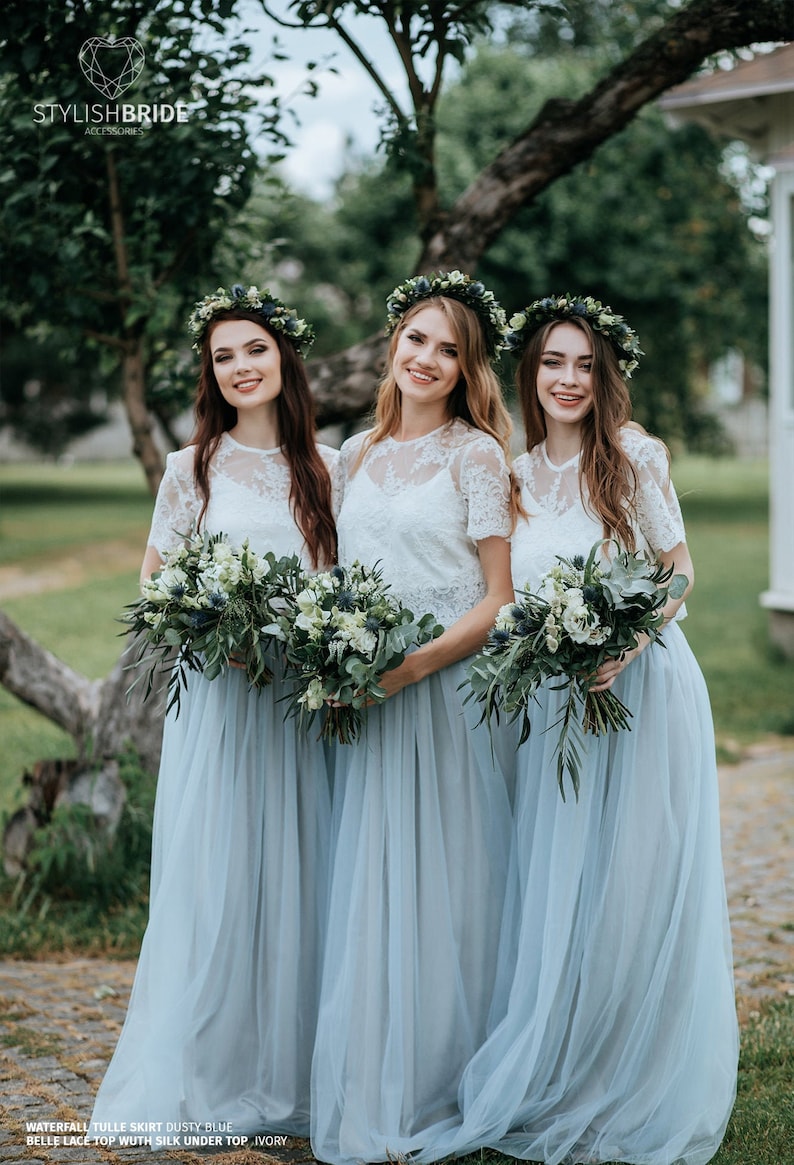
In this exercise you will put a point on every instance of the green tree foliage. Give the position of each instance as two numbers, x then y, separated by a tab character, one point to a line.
109	236
650	224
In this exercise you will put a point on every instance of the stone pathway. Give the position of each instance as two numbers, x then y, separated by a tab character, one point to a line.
59	1021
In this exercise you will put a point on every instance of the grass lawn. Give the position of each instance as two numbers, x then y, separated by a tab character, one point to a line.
725	505
71	543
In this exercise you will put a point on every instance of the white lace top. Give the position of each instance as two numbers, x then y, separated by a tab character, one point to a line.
560	523
419	508
249	498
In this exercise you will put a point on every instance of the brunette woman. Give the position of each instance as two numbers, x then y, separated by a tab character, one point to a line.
220	1027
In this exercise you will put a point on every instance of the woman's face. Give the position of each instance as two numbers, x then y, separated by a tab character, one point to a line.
564	382
246	362
425	364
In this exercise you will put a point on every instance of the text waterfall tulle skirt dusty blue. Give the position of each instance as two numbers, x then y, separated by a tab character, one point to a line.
221	1020
423	820
613	1031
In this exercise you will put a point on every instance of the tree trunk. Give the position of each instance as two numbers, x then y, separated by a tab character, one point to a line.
357	370
133	378
95	713
138	415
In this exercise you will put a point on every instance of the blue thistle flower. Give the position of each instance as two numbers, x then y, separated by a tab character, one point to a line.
345	600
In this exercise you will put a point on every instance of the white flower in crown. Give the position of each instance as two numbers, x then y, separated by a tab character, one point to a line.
557	308
454	285
275	314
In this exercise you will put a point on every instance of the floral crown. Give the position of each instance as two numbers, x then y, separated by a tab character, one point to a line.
451	285
565	307
274	313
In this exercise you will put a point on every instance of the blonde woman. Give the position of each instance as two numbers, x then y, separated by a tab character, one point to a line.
422	808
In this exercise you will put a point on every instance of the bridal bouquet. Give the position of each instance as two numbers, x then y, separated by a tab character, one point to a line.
583	614
341	632
207	605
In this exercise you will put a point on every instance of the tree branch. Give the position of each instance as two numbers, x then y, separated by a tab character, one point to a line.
567	132
44	682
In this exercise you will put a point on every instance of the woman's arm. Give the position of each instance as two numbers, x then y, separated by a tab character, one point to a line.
680	560
152	561
469	633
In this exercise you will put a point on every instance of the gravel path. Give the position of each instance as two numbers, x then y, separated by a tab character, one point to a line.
59	1021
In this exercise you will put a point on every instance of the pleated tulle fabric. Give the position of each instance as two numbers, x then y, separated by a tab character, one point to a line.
423	825
422	819
614	1034
220	1025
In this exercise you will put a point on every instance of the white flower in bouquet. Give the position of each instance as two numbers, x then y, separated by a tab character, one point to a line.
210	602
341	633
582	614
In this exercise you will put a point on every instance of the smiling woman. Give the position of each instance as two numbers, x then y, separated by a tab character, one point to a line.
220	1020
422	802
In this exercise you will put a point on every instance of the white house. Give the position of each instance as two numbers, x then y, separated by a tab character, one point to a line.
754	102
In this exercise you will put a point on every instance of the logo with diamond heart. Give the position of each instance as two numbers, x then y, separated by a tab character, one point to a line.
111	66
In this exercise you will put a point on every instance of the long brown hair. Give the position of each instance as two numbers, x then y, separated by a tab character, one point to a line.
310	489
607	473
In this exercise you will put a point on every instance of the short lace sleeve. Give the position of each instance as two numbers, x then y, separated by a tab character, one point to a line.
658	511
345	460
177	506
485	484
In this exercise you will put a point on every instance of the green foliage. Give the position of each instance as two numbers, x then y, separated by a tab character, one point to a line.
649	225
725	506
51	393
128	224
73	859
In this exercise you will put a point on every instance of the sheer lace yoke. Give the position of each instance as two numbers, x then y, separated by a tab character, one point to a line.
560	520
249	498
419	508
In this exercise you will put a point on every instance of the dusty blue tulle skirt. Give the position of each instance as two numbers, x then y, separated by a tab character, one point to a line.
221	1020
423	820
613	1026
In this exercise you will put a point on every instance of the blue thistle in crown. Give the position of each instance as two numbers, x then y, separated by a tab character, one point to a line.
451	285
274	313
557	308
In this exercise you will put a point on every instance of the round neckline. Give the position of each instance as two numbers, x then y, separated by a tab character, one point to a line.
424	436
559	468
249	448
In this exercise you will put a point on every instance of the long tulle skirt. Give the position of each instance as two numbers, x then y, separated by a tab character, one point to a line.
423	820
221	1020
614	1033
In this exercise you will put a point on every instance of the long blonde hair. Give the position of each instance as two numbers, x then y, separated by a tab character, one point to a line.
605	470
476	398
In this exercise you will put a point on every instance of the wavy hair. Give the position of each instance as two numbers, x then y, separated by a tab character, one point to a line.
476	398
310	489
607	473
